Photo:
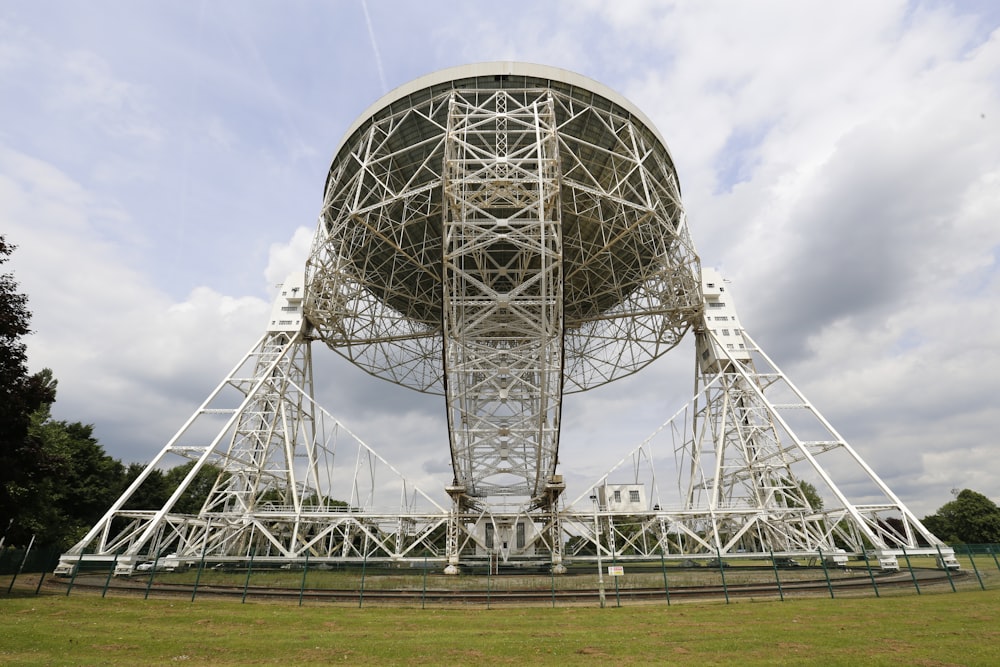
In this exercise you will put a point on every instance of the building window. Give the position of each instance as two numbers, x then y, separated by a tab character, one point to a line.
618	496
633	495
716	304
520	535
729	346
489	536
725	332
710	285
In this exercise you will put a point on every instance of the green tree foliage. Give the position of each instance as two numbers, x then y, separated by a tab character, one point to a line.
970	518
82	482
22	457
158	486
807	491
56	481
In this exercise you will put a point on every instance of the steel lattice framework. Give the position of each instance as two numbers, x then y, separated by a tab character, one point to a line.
503	234
503	238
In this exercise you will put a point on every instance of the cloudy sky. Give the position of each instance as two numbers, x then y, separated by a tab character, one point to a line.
162	167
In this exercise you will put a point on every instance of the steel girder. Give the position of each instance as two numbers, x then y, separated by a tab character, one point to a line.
629	270
503	294
289	480
501	239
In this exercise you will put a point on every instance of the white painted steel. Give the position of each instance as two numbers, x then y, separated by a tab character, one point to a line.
502	234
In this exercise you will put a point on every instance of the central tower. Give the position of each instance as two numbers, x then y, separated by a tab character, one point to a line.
502	234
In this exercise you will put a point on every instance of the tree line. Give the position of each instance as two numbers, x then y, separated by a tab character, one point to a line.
56	480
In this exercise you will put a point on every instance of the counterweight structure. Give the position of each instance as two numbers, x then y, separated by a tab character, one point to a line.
500	234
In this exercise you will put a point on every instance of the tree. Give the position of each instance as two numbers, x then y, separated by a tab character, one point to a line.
970	518
158	486
807	494
22	457
81	483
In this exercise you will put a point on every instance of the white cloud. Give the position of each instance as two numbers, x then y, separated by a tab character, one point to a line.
286	258
163	169
90	90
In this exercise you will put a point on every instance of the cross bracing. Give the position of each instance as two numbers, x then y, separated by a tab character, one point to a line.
503	235
629	267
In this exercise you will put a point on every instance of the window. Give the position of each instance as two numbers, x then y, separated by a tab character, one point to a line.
618	496
725	332
710	285
729	346
633	495
520	535
489	536
716	304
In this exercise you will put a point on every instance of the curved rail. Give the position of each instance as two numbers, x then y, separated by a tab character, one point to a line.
819	586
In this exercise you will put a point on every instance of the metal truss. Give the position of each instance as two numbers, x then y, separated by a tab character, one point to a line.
741	452
502	235
629	268
503	294
290	482
502	240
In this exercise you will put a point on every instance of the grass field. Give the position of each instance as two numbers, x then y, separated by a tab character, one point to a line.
942	628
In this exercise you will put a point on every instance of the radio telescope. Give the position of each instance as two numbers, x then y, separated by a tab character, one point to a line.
503	234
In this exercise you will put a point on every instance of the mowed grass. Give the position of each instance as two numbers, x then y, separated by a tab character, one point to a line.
932	629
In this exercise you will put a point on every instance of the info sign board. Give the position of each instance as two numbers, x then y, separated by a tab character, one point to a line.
616	570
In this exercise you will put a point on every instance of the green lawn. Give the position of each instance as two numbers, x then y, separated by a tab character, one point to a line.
942	628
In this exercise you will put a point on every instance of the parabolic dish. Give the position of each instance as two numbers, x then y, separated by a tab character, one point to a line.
629	270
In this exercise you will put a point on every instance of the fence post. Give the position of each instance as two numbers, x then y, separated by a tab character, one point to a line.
76	570
111	571
777	578
201	568
364	568
41	577
152	572
947	570
246	584
826	572
21	566
663	566
913	575
305	570
423	593
722	571
552	576
871	575
975	569
618	597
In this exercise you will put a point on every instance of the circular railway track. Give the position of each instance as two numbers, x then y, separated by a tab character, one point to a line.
862	583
